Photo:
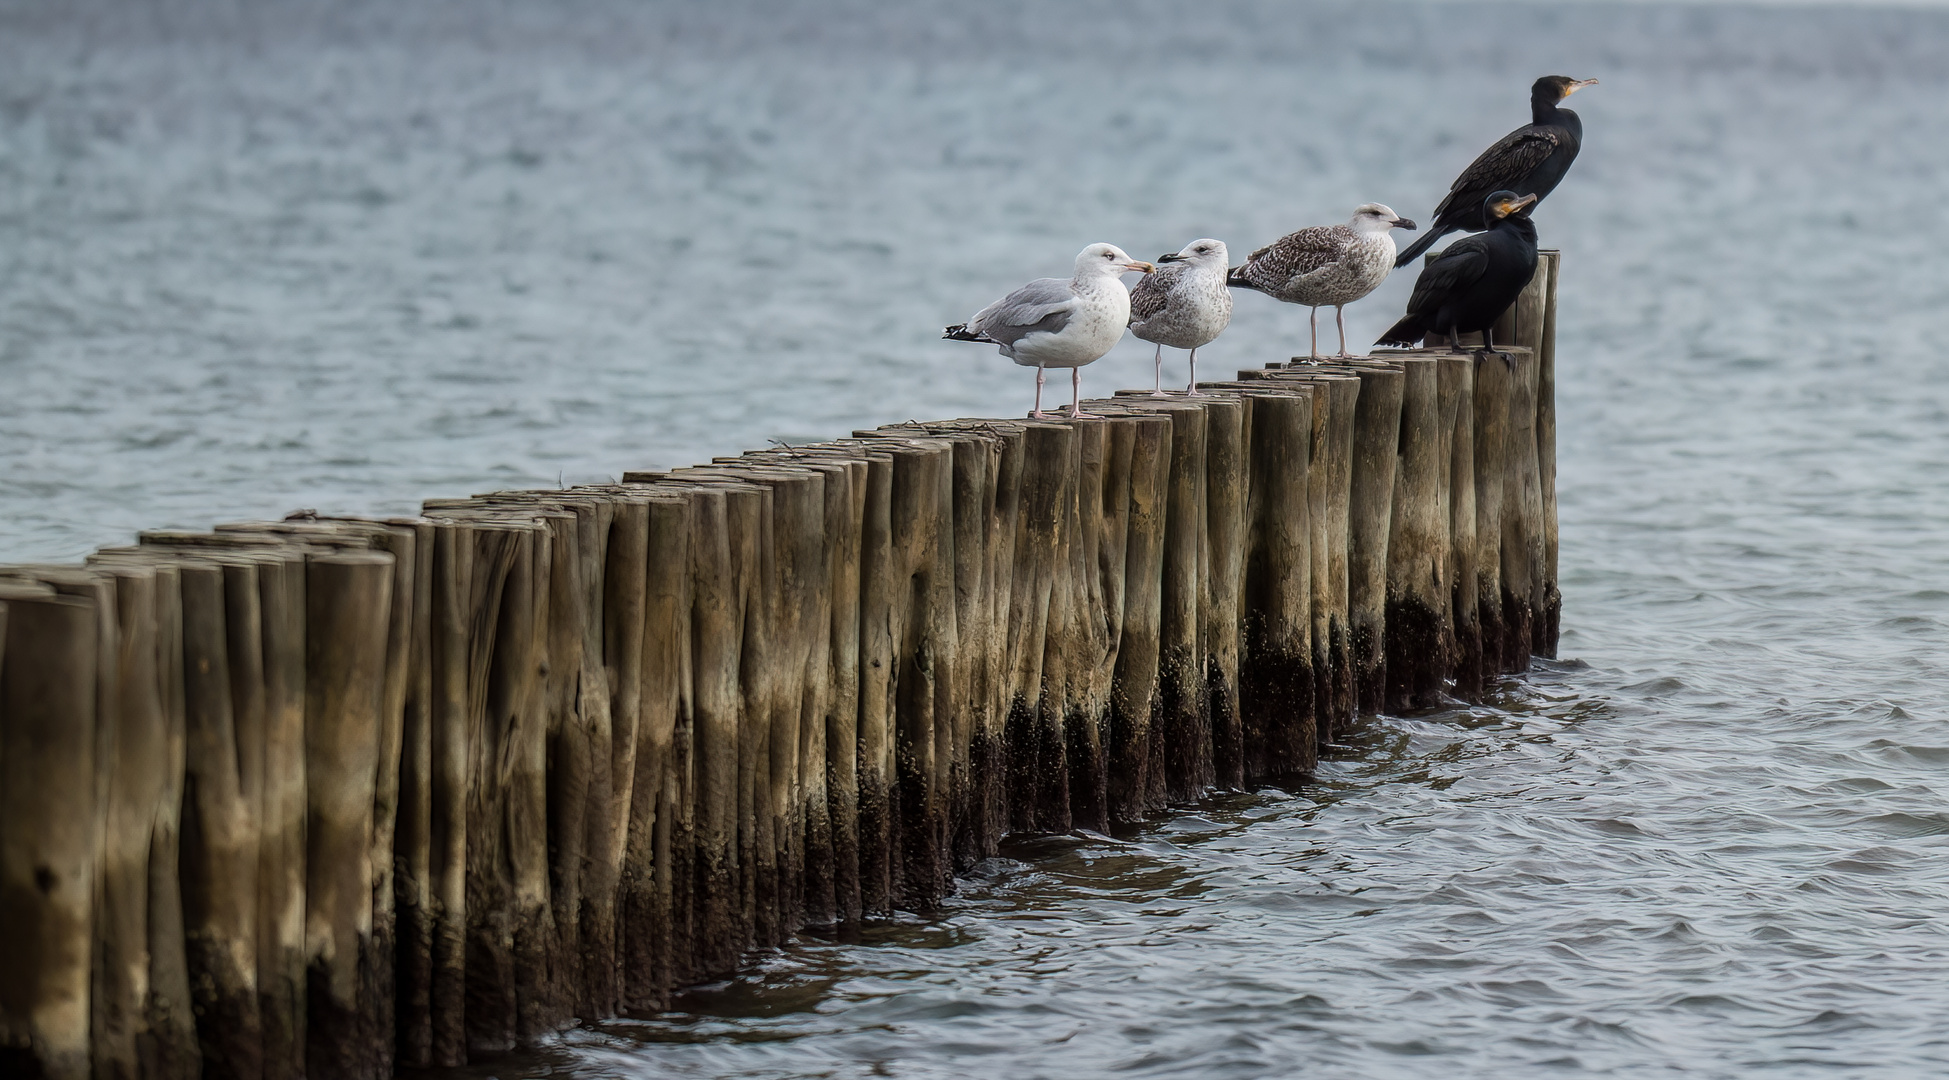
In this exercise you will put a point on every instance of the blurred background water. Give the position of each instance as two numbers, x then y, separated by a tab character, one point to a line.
349	255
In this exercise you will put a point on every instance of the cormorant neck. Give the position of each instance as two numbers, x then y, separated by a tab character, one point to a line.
1521	225
1543	108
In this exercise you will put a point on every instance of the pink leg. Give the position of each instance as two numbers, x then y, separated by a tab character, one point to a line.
1340	317
1314	353
1191	390
1076	400
1159	390
1038	414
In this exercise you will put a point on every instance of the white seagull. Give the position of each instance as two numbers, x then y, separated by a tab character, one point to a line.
1326	265
1184	305
1055	323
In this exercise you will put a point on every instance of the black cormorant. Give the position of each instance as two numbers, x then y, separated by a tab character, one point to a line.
1531	159
1473	281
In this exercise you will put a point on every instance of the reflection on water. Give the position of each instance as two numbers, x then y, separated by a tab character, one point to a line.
352	255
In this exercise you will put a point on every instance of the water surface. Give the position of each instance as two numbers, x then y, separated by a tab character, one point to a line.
349	256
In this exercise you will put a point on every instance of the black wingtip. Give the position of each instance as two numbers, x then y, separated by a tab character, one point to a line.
1235	277
960	332
1405	334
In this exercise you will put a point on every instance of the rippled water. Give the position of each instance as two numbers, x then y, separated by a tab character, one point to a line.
353	255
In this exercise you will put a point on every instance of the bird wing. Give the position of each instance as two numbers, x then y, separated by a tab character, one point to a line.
1462	264
1297	254
1152	295
1512	158
1041	306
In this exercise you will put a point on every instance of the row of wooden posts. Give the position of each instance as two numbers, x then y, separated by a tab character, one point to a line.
320	797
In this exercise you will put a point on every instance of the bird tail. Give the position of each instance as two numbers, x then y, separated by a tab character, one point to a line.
1235	277
1415	250
1405	333
960	332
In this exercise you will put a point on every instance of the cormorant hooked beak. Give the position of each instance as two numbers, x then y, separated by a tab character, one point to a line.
1402	223
1578	85
1172	257
1511	209
1144	267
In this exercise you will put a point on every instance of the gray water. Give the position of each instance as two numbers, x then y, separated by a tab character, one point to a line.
349	256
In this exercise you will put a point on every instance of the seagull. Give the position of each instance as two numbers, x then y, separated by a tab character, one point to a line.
1055	323
1474	280
1532	158
1184	305
1326	264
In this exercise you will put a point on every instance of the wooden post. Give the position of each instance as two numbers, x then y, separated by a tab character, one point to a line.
1457	402
1037	771
1419	634
1227	490
48	686
1275	654
1095	623
1376	451
1181	741
1550	613
276	773
1491	433
1136	788
1522	534
348	601
657	869
135	771
219	841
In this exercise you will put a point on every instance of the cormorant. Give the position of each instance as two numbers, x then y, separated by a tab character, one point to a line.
1473	281
1326	265
1055	323
1184	305
1532	159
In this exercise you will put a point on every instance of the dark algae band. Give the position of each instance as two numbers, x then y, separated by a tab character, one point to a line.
325	797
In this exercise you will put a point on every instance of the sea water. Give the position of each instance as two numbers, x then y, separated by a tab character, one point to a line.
346	256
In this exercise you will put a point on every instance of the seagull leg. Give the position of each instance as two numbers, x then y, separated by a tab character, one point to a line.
1340	317
1038	414
1192	389
1313	354
1159	391
1076	401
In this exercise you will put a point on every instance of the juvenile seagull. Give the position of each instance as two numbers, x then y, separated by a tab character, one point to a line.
1055	323
1326	265
1184	305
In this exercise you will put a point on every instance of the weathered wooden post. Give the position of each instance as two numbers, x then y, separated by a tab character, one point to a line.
1136	789
1457	402
1550	614
1376	451
1419	632
48	687
1491	434
1181	740
1276	693
348	610
1227	489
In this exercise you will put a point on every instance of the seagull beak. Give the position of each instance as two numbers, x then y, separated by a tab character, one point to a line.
1402	223
1578	85
1140	267
1172	257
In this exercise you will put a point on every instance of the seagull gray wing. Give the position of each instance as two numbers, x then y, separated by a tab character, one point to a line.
1041	306
1298	254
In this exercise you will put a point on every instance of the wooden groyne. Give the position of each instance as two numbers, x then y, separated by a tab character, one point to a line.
319	797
